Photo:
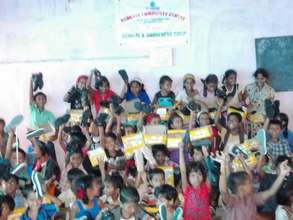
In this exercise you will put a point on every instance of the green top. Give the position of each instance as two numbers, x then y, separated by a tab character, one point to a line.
39	118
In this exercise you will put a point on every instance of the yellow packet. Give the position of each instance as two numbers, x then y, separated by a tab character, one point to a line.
169	174
164	114
200	133
251	162
174	137
151	139
132	143
75	116
96	155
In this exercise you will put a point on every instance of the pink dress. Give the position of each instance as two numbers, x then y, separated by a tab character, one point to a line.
196	203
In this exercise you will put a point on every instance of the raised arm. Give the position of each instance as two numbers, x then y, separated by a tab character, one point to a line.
9	144
284	171
182	166
31	93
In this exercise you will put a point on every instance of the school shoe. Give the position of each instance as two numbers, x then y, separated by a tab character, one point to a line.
193	106
101	119
35	133
124	76
13	123
163	212
117	109
85	117
38	82
61	120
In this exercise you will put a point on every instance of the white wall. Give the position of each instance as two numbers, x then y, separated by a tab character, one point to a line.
59	33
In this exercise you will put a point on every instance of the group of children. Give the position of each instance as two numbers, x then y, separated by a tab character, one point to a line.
103	176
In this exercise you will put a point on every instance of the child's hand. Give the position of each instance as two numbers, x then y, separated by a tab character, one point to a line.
12	132
220	157
284	168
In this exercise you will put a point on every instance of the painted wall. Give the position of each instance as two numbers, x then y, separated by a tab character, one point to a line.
64	38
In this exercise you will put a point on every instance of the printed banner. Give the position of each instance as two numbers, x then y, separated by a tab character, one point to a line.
153	23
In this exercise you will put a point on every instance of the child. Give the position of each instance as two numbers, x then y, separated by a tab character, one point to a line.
195	189
87	190
113	185
39	116
77	95
165	92
37	210
284	210
101	92
210	86
6	206
167	201
276	146
286	133
11	188
129	208
67	196
231	88
242	202
3	137
135	90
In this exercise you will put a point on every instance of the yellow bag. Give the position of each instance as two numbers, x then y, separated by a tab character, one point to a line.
169	174
175	137
201	133
155	134
96	155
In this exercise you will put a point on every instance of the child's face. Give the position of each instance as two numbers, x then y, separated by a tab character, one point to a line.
40	101
135	87
103	88
75	160
195	178
13	159
260	80
233	122
231	80
212	87
10	186
160	158
189	84
110	144
177	123
274	131
246	187
81	84
204	119
109	189
95	188
33	202
157	180
129	209
197	156
162	200
166	86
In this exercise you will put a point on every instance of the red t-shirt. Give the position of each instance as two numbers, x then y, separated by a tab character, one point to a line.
97	97
196	203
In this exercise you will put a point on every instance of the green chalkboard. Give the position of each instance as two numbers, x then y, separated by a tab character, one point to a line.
276	55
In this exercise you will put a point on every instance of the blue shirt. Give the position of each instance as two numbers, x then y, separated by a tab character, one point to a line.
46	212
142	96
92	212
289	138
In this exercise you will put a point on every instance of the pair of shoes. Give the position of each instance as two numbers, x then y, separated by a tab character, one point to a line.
124	76
164	216
37	81
13	123
35	133
61	120
101	119
143	107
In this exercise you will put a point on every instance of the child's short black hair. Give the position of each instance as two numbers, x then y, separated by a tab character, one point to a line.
8	200
129	194
227	74
155	171
166	191
115	180
13	150
111	135
164	79
237	179
74	174
196	167
275	122
171	119
160	148
261	71
10	176
39	94
236	114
